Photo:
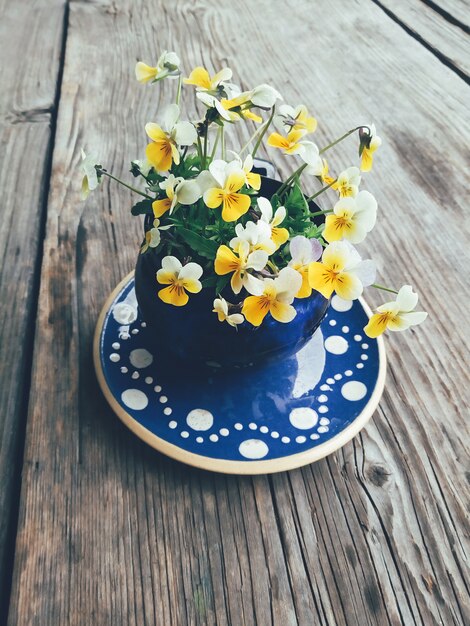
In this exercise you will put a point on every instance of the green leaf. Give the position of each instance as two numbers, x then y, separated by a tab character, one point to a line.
222	282
144	207
205	247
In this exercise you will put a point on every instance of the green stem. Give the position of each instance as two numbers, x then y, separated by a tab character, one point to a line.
384	288
204	158
255	134
178	91
321	191
263	132
199	151
222	143
321	212
291	178
214	147
350	132
121	182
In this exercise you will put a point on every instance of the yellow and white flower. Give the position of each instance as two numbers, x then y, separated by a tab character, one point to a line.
342	271
294	143
153	236
289	118
178	191
228	179
221	307
276	298
303	252
163	149
90	179
203	82
252	179
347	183
239	265
167	65
397	314
369	144
352	218
278	235
321	170
180	278
258	237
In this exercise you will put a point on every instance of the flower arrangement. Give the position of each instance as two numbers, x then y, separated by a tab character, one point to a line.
211	226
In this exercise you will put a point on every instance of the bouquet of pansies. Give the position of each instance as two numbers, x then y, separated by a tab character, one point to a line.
211	226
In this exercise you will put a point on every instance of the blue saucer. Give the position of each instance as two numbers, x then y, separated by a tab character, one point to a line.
250	421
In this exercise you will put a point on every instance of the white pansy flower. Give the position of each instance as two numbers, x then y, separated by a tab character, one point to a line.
221	308
347	183
167	66
397	314
178	191
303	252
278	235
276	298
258	237
352	218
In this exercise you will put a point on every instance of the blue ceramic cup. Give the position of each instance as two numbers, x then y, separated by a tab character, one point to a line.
192	333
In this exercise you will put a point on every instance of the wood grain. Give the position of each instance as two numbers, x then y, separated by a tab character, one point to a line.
447	40
111	532
27	111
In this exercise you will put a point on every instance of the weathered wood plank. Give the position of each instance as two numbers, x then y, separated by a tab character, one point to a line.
110	531
445	38
453	10
30	36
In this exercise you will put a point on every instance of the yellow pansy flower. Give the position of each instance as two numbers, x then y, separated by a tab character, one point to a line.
276	298
347	183
252	179
167	65
178	191
201	78
221	308
258	237
298	118
303	251
369	144
342	271
294	143
239	264
396	315
228	180
163	151
180	278
352	218
278	235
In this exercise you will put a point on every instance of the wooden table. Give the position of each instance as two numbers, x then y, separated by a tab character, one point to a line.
98	529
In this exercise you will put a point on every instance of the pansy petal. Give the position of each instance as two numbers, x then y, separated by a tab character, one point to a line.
188	192
234	206
253	285
282	312
366	272
155	132
376	325
319	279
160	207
170	117
185	134
348	286
144	72
255	309
213	197
257	260
412	318
199	77
253	180
191	270
407	299
226	261
174	295
264	205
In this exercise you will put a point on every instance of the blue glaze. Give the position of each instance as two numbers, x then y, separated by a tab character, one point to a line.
263	396
193	332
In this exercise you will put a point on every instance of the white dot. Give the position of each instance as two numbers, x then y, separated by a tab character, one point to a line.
253	449
134	399
144	324
163	399
224	432
275	434
140	358
213	438
149	380
348	373
135	375
336	344
314	436
357	337
264	429
324	421
323	429
252	426
364	346
323	409
340	305
135	331
114	357
330	381
338	376
184	434
364	357
116	345
173	424
353	390
199	439
301	439
332	322
124	370
345	329
360	366
200	419
167	410
325	387
238	426
285	439
157	388
303	418
322	398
